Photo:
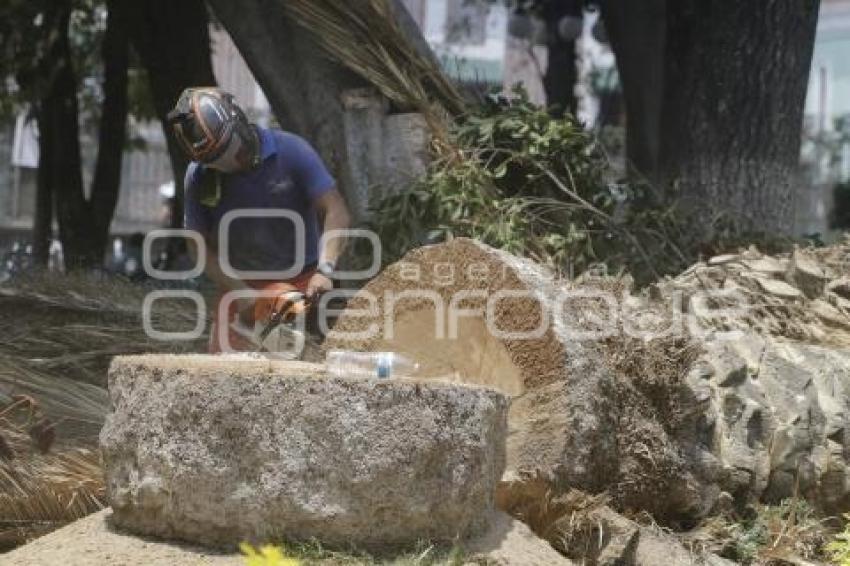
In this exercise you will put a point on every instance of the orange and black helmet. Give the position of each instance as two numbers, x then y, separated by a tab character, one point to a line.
208	123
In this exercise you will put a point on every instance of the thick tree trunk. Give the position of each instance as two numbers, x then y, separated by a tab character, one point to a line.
637	32
302	85
173	42
735	86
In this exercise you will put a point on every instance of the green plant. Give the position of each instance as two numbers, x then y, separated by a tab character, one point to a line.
518	179
789	532
838	549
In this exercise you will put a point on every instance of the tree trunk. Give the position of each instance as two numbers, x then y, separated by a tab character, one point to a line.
59	127
561	75
113	127
42	229
173	42
735	86
637	32
83	223
302	85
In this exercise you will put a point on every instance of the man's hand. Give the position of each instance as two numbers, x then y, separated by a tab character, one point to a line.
317	285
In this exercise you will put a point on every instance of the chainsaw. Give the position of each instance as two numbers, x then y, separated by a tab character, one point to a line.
276	329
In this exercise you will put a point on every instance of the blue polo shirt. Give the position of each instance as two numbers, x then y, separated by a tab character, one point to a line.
291	176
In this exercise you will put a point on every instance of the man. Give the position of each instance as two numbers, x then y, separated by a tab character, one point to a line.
235	166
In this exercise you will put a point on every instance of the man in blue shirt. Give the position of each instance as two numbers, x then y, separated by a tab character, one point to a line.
237	166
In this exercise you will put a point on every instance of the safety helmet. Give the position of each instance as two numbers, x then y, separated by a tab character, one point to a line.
212	129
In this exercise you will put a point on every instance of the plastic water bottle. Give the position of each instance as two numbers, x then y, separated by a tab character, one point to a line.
382	365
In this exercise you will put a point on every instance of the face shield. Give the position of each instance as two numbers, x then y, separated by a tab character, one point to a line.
213	130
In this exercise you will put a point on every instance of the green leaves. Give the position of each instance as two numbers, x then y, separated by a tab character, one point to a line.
535	185
839	549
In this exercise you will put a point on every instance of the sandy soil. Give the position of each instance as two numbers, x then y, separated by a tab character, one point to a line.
93	542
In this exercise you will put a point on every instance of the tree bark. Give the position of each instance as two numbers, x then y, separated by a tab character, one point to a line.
735	84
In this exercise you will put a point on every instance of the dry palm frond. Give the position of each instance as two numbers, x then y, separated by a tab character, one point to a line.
365	37
60	333
41	490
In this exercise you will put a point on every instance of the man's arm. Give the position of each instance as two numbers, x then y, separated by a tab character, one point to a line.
333	214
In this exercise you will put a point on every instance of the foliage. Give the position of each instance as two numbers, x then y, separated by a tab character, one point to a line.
24	62
789	532
518	179
28	34
839	548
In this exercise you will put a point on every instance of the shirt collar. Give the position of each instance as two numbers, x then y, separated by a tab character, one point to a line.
268	147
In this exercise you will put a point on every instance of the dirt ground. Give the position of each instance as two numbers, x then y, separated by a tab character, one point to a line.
94	542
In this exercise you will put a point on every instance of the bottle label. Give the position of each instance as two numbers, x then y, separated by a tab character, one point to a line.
384	366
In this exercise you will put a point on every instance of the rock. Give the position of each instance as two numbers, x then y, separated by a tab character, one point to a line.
509	542
829	314
655	545
676	425
216	452
806	274
840	287
723	259
604	537
778	288
767	264
619	538
785	420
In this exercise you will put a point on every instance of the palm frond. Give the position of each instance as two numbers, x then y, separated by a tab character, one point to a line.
365	37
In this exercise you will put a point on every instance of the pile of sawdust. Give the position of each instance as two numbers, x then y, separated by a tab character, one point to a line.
464	272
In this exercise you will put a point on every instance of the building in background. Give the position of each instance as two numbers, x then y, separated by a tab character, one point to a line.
826	129
473	43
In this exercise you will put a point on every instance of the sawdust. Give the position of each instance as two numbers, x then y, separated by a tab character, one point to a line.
462	271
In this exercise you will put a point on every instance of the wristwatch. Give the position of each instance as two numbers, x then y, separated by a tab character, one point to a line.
326	268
